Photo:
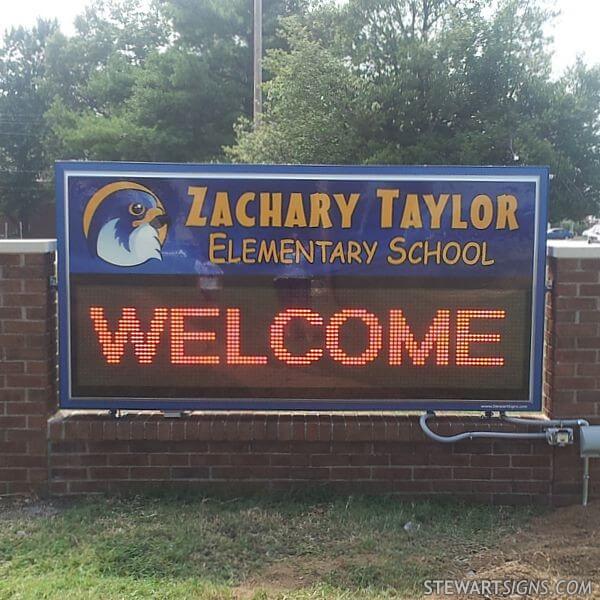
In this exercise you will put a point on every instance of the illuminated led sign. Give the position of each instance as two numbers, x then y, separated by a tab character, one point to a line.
300	288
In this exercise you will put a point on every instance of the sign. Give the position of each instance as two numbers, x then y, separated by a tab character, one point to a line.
301	288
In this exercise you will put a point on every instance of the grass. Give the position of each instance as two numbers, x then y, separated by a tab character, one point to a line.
183	547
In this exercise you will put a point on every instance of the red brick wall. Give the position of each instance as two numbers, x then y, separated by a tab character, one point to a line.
347	453
257	452
574	336
573	361
27	371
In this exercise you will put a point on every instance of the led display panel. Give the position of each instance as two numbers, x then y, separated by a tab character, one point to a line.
300	288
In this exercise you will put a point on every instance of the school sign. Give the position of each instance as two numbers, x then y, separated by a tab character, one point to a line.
300	288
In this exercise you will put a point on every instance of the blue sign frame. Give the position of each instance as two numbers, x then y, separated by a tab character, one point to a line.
539	176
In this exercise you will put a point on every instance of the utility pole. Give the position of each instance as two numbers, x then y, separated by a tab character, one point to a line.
257	62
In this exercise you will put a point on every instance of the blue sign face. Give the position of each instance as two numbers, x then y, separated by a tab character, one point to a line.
310	288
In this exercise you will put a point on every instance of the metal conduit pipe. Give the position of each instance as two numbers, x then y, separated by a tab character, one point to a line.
586	480
545	422
472	435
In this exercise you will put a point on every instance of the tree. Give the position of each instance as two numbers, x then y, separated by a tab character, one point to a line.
23	103
312	109
574	136
432	82
173	95
93	76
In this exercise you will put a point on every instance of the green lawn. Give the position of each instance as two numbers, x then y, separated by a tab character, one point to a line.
182	547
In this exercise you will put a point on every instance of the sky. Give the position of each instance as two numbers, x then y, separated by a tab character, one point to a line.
575	31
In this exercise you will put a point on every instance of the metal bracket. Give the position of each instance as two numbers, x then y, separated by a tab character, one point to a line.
174	414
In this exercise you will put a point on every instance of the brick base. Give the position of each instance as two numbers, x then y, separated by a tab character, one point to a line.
240	453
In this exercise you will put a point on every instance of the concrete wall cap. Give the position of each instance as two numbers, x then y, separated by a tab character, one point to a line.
27	246
573	249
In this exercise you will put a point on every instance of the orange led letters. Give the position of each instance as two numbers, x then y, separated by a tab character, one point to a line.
464	338
446	338
277	336
128	329
438	335
179	336
375	336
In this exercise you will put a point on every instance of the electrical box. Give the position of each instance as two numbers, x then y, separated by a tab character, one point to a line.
559	436
590	441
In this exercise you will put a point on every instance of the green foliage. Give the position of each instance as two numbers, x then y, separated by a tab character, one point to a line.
156	120
23	104
366	81
315	87
171	95
431	82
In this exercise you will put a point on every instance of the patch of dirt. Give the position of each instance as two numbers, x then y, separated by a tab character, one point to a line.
561	545
294	574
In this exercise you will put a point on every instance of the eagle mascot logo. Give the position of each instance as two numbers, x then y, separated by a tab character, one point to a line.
125	224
